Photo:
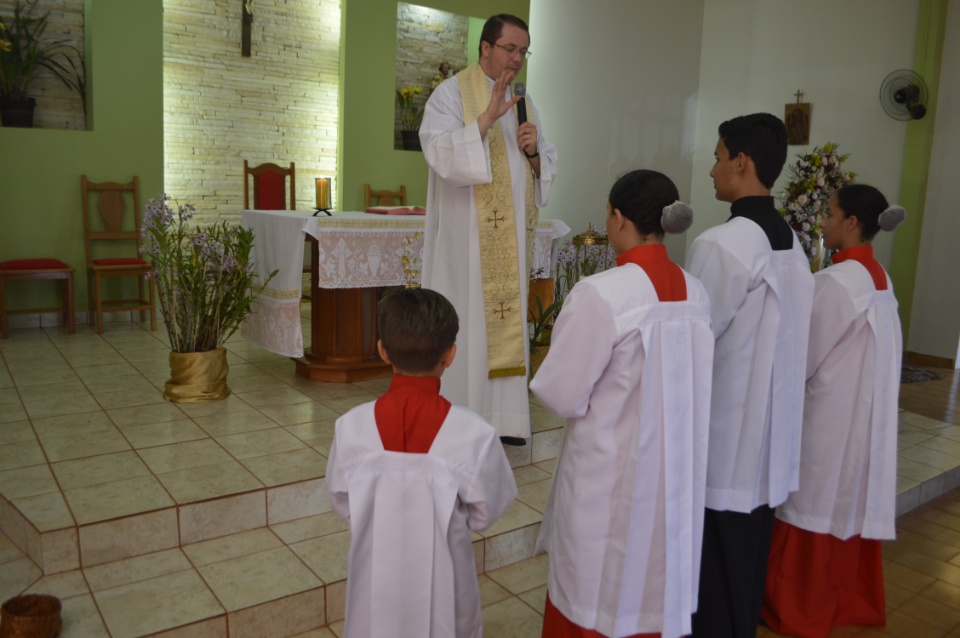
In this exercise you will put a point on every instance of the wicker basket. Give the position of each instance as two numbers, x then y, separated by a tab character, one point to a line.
31	616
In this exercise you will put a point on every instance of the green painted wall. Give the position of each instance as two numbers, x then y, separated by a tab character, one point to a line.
40	209
367	75
931	26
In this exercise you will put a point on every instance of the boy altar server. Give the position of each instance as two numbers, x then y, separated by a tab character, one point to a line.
826	567
761	292
629	366
415	475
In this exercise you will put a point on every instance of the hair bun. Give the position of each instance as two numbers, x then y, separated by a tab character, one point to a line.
892	217
677	218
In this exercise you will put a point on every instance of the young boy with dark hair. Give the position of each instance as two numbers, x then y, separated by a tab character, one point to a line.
761	293
415	474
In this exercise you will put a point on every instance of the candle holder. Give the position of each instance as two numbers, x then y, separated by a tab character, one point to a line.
323	195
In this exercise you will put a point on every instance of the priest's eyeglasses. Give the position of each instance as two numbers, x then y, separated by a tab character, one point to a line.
512	51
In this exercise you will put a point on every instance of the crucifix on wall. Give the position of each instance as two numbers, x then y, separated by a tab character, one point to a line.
246	22
797	119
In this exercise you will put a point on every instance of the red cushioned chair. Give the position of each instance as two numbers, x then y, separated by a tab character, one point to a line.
269	186
112	242
33	269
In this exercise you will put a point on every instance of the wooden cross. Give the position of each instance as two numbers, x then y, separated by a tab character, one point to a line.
246	21
495	219
502	311
799	95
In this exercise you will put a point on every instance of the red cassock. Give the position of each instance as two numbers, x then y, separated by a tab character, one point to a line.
825	567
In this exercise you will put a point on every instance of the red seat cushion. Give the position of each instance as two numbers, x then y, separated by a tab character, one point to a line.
33	264
270	192
119	261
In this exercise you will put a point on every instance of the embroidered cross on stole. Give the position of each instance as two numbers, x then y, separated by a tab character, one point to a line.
506	327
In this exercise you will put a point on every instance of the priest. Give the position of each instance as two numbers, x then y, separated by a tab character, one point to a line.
489	173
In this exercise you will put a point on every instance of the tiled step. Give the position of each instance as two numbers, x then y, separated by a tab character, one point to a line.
45	529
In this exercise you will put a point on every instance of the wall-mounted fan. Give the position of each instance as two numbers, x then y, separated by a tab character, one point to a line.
903	95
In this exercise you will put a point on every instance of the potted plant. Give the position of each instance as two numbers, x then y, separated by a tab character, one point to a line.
206	283
410	116
25	52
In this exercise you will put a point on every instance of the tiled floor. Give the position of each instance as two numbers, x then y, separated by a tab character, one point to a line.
208	516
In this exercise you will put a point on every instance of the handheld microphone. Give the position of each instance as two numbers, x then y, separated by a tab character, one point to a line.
519	89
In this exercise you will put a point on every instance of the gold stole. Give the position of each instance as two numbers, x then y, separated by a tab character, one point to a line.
505	324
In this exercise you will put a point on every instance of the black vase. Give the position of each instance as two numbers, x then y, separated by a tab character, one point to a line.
17	110
411	140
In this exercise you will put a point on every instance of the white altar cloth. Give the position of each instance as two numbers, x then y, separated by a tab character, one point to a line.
355	249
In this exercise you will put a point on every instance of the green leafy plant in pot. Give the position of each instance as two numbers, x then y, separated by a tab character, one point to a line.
25	53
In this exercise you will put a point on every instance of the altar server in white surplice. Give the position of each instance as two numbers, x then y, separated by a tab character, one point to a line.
826	567
488	176
629	366
415	475
761	291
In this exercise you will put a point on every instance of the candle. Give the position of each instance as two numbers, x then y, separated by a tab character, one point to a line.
323	193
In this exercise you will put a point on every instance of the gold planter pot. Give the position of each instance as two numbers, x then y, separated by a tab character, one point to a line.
197	376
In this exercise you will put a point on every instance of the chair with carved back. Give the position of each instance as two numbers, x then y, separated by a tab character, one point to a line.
384	197
112	240
42	269
269	186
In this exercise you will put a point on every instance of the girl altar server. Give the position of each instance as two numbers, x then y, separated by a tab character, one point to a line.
629	366
825	566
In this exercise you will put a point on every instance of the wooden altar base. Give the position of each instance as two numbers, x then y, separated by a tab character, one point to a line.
341	373
343	333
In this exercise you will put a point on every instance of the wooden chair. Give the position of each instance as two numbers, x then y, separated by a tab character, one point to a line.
107	237
269	191
384	198
37	269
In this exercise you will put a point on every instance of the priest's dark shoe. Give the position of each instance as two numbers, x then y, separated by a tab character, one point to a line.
513	440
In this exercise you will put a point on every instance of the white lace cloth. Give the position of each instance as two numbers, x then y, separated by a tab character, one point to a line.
356	250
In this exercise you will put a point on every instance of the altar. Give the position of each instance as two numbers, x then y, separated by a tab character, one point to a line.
355	257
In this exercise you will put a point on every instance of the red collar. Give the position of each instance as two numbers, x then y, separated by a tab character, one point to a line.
646	254
864	255
667	277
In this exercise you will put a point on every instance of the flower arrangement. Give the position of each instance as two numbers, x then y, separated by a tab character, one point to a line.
410	260
410	113
813	178
25	52
205	278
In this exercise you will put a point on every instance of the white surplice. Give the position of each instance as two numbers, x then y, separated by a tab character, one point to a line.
411	570
848	466
760	302
459	158
624	521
